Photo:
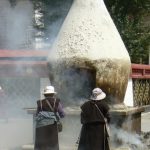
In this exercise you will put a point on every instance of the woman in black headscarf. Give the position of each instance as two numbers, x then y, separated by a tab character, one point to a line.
94	114
46	137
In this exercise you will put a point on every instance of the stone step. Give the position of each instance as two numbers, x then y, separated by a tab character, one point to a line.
31	147
28	147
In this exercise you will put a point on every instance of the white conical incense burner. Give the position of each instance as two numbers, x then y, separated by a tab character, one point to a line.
89	39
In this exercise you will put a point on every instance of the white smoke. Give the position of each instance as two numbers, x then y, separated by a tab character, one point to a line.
16	23
15	133
74	85
16	126
122	138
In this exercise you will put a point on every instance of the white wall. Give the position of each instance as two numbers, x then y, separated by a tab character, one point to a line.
128	100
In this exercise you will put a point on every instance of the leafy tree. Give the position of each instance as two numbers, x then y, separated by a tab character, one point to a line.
52	13
128	15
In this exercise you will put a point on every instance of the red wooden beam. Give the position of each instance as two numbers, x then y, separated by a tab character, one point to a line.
140	71
23	67
4	63
23	53
140	66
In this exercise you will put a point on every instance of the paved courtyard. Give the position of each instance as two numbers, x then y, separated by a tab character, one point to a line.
145	122
18	133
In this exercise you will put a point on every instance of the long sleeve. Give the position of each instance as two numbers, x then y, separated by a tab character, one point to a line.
61	111
108	117
106	112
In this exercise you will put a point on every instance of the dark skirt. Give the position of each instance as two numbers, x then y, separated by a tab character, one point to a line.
93	137
46	138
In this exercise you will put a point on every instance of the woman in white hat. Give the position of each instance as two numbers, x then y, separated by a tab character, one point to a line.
46	137
93	134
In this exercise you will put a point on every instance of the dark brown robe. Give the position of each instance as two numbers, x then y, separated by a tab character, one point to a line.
93	134
46	138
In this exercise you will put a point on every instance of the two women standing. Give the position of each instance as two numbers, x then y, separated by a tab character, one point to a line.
94	114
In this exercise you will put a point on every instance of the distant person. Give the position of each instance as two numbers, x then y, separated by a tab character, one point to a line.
46	137
94	114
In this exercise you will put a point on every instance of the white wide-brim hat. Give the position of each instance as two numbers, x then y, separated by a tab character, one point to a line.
97	94
49	90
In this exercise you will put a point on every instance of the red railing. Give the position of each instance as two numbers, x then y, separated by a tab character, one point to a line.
140	71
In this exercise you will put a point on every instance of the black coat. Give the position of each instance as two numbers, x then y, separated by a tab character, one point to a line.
46	138
93	134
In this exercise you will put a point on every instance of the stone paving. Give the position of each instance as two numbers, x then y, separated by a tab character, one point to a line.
11	128
145	127
145	122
